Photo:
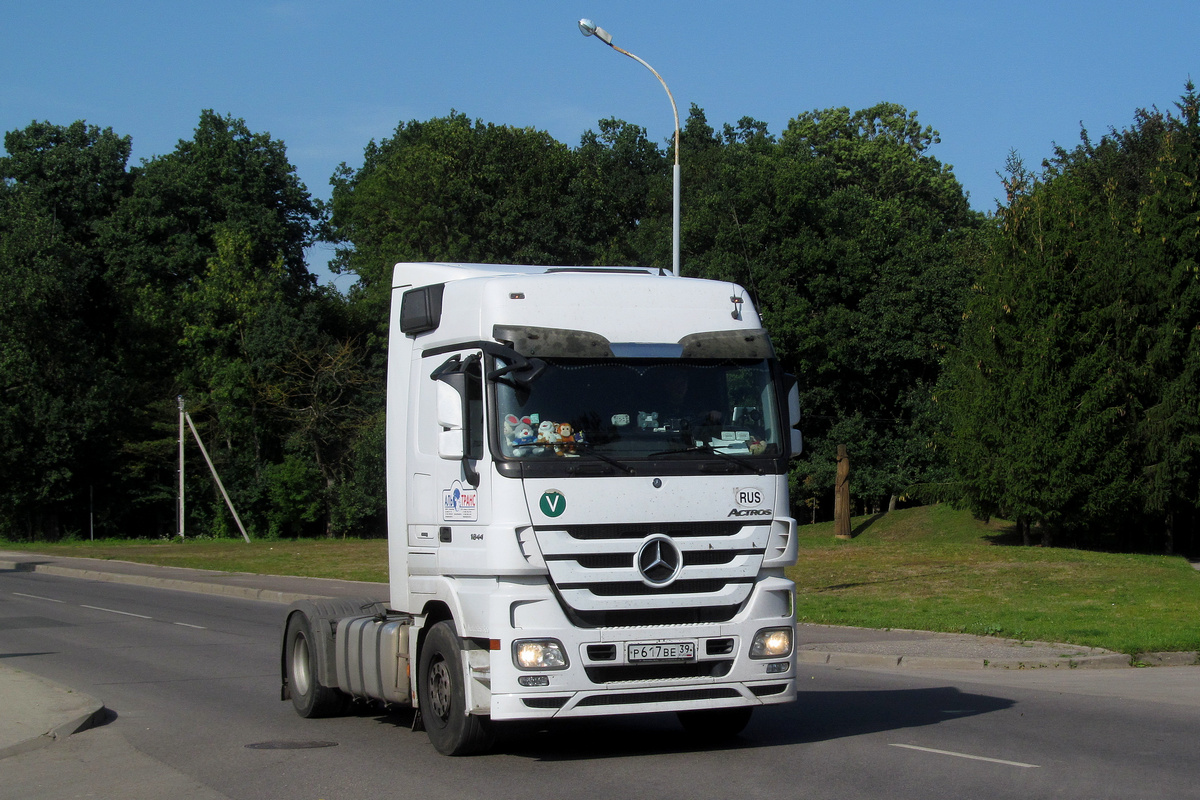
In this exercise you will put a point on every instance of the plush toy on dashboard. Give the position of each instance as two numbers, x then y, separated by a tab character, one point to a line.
518	432
547	435
566	439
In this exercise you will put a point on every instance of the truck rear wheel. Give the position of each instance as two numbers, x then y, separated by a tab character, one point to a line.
310	697
441	692
716	724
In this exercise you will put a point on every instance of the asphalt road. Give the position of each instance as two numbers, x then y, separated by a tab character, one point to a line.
192	681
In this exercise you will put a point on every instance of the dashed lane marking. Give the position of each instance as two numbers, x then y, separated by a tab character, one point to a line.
114	611
109	610
39	597
966	755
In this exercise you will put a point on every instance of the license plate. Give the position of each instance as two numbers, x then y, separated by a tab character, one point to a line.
662	651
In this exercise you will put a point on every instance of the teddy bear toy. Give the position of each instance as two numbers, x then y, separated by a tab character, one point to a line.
547	435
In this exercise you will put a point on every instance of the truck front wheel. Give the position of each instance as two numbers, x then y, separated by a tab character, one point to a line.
310	697
442	695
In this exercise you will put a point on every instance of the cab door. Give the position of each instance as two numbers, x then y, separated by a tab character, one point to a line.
451	474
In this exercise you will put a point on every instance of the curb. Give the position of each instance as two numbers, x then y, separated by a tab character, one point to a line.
177	584
91	714
1103	660
1167	659
877	661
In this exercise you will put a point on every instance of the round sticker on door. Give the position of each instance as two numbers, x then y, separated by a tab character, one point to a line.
553	503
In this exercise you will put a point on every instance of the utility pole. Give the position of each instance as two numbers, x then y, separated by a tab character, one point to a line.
212	468
180	399
184	416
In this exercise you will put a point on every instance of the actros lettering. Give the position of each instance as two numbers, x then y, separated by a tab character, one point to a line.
749	512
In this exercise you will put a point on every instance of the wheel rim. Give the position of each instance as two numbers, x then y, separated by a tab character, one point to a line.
301	665
439	689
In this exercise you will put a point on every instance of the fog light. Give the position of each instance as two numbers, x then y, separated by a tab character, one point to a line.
772	643
535	680
539	654
775	667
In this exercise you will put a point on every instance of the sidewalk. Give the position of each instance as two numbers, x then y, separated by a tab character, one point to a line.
37	712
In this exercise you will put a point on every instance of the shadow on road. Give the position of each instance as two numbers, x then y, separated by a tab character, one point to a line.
816	716
23	566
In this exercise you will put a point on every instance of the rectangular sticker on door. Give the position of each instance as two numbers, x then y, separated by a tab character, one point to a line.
459	504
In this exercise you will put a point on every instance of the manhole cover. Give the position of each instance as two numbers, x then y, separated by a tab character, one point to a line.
289	745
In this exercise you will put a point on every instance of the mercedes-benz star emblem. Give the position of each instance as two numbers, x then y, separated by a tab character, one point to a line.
659	561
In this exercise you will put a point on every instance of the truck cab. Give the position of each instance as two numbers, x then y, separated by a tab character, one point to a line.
587	505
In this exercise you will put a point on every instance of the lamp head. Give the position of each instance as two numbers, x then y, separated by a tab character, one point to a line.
589	28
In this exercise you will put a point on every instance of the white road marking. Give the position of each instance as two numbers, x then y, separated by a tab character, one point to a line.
966	755
109	610
39	597
114	611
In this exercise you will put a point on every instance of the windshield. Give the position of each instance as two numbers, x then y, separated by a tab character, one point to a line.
641	408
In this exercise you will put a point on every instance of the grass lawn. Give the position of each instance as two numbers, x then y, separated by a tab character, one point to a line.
349	559
930	568
935	568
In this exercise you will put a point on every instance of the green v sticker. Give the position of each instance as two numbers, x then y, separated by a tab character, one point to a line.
553	503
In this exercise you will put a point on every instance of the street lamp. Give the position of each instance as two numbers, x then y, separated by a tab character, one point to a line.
589	28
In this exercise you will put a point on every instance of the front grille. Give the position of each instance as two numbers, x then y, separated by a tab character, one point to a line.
642	618
602	652
666	696
718	647
639	530
618	560
595	575
544	702
658	672
640	589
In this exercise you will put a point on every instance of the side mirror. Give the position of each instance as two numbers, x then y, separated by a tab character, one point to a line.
456	378
793	401
450	419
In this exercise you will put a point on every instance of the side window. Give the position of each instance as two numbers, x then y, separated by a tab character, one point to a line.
474	408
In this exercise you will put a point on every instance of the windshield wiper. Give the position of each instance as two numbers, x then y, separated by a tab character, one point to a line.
587	450
709	450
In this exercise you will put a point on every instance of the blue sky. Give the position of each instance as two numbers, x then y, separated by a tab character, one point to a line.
327	77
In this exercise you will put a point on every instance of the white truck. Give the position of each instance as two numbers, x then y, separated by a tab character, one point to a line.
587	509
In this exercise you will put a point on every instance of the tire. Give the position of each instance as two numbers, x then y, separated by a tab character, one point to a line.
442	697
716	724
310	697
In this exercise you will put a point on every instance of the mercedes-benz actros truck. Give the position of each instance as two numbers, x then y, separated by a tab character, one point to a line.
587	509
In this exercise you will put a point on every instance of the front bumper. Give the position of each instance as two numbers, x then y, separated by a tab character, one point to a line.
600	678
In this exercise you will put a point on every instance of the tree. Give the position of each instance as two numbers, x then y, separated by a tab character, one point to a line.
64	404
1169	220
855	242
452	190
210	238
619	197
1067	393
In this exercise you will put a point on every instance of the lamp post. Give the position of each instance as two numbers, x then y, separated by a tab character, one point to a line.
589	28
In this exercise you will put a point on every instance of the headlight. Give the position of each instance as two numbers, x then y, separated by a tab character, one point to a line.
772	643
539	654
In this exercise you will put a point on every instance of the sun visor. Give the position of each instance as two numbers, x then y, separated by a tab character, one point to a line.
752	343
531	341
